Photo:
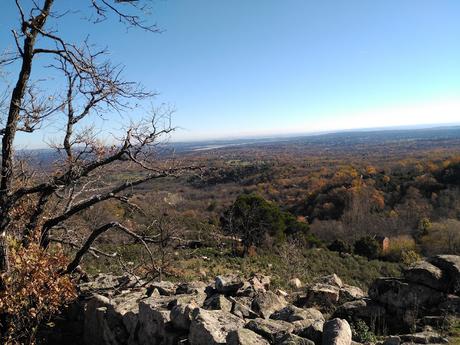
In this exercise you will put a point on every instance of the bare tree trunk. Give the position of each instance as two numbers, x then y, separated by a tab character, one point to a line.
31	31
4	262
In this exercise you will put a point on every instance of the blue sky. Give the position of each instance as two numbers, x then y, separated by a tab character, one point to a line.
261	67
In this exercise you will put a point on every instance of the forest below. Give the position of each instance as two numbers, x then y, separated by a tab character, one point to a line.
263	201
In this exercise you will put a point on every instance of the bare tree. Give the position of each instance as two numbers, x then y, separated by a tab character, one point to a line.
32	202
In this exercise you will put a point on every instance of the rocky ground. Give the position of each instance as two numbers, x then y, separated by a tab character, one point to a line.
413	309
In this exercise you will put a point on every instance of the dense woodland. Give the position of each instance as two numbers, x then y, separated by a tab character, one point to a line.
328	191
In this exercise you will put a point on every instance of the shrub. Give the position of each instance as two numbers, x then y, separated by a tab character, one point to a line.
33	292
400	247
339	246
367	247
408	257
362	333
252	218
257	221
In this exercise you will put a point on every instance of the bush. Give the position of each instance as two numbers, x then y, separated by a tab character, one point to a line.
401	247
33	292
257	221
339	246
367	247
362	333
252	218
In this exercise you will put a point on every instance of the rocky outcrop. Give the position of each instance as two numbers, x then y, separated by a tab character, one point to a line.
327	293
232	310
450	266
424	273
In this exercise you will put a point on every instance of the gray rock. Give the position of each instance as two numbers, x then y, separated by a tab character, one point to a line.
111	320
350	293
292	313
153	319
270	329
310	329
165	288
336	332
181	315
332	279
210	327
245	336
229	284
363	309
191	288
424	273
217	302
292	339
321	296
241	307
400	294
450	265
107	284
266	303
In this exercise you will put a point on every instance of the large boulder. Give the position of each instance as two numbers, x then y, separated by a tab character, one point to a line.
350	293
292	313
450	265
241	307
322	296
266	303
164	288
270	329
336	332
424	273
228	284
245	336
363	309
211	327
310	329
181	315
399	294
154	317
217	302
111	320
192	288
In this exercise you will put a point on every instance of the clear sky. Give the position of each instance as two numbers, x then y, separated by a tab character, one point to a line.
260	67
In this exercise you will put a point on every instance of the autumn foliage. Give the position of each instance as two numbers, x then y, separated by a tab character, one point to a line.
33	292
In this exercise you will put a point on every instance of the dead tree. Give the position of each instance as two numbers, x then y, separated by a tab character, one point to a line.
33	203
